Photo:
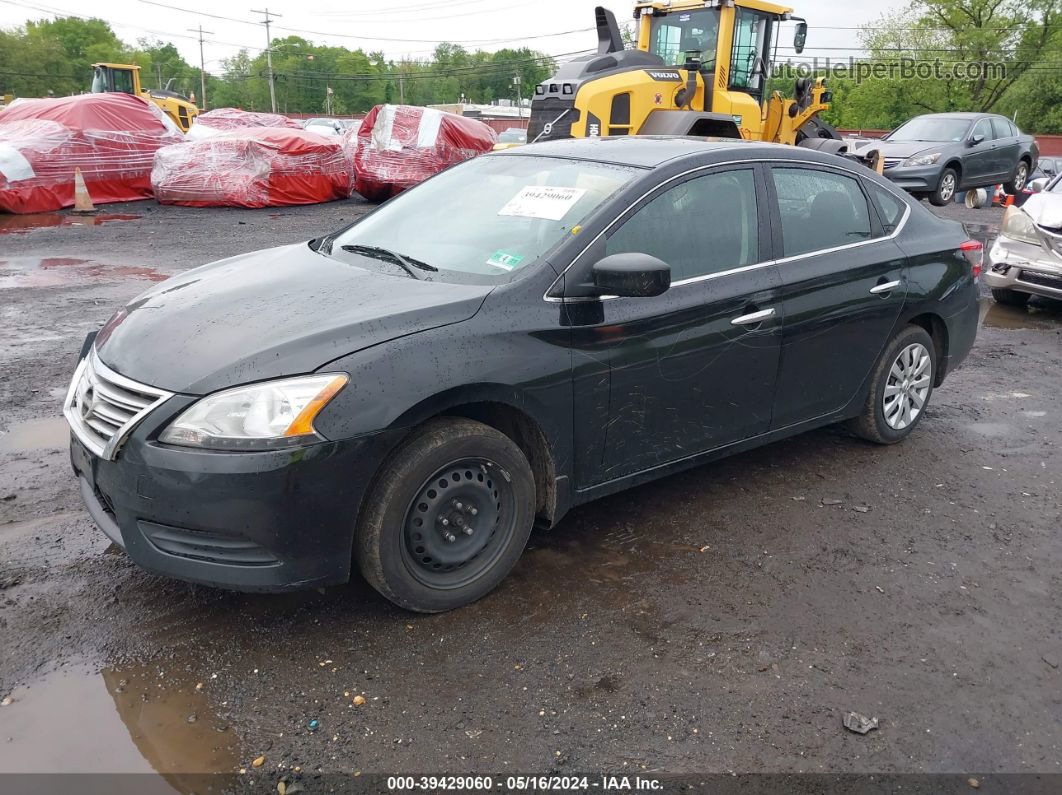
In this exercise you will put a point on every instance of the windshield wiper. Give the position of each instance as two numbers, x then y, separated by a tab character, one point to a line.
405	263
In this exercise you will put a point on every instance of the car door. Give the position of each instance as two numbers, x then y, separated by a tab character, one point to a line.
842	289
691	369
979	161
1007	148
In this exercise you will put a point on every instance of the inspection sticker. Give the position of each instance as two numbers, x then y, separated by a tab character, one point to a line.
541	201
504	260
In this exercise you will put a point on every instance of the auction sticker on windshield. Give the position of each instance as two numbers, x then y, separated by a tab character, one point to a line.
542	201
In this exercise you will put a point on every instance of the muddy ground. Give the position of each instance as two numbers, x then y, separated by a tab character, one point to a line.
720	620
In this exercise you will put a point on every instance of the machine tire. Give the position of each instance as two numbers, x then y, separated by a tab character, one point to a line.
1003	295
947	186
487	506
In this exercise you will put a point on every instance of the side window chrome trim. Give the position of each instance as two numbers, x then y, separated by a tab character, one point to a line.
583	299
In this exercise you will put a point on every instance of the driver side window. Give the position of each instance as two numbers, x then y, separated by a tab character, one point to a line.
704	225
983	128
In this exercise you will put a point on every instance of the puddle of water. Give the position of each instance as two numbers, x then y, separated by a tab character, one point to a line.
50	433
132	719
20	272
1038	316
20	224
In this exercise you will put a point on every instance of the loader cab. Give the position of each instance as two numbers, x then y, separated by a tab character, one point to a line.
119	78
730	42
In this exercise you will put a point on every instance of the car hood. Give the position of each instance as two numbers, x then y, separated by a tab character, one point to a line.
272	313
901	148
1045	209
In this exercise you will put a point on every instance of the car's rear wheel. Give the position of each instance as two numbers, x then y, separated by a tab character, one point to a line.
447	517
1021	176
946	187
1002	295
900	390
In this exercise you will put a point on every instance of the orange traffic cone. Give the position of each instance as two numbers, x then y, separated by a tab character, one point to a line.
1008	201
82	201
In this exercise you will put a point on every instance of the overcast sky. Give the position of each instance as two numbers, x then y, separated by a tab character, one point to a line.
403	27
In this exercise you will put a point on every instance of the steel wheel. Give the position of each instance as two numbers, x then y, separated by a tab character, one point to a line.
459	522
947	186
907	387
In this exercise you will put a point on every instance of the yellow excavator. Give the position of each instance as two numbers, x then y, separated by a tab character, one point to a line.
700	68
125	79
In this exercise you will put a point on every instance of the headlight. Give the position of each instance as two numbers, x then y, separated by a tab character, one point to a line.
264	416
1019	226
922	160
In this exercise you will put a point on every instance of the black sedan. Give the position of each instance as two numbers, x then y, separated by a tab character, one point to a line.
939	154
525	332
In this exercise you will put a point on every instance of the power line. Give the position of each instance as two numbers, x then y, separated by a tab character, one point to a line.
334	34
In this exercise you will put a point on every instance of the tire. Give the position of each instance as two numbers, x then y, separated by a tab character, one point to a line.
429	541
877	422
1002	295
1021	176
946	187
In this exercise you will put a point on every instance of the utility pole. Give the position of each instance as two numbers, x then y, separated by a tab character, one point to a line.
202	63
269	54
519	99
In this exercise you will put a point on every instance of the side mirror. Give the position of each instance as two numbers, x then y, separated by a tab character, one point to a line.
976	139
631	275
1038	185
800	36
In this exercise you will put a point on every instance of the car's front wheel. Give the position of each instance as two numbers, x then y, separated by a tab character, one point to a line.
1021	176
900	390
946	187
447	516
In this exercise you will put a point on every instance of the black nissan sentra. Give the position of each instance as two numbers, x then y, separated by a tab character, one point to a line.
525	332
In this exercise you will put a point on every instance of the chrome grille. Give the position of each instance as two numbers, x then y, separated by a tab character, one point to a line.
889	162
102	406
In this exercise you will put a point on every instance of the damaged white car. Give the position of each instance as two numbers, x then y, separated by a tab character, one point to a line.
1027	255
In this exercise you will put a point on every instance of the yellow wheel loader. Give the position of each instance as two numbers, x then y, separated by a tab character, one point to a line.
125	79
700	68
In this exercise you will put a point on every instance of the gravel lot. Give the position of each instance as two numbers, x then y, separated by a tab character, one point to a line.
719	620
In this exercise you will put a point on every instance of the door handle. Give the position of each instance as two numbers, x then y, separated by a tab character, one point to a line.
752	318
887	287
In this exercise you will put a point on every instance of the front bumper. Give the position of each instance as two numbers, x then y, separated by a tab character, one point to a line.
258	521
1025	268
914	178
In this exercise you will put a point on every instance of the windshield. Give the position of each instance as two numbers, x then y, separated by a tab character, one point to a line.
482	220
513	136
673	35
930	128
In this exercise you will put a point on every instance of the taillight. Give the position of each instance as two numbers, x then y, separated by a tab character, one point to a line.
974	251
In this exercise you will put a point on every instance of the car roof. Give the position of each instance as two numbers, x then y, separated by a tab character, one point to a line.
650	151
967	115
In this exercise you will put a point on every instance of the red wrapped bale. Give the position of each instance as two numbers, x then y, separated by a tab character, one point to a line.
253	167
112	138
223	119
398	146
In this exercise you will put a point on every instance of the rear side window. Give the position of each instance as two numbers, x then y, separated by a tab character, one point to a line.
819	210
890	208
1002	128
704	225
